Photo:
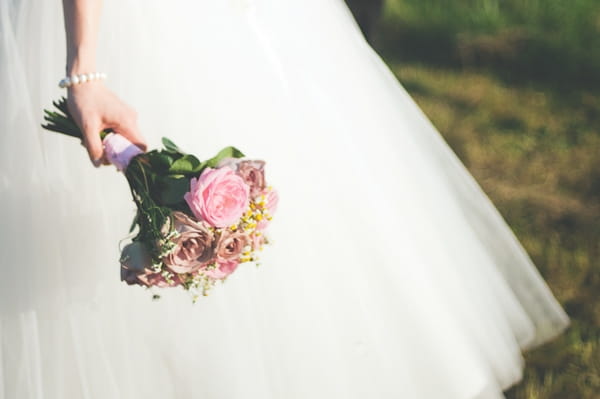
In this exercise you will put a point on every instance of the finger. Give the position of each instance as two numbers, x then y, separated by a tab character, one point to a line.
92	142
104	160
132	133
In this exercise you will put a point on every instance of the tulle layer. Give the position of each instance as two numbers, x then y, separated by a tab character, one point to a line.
391	274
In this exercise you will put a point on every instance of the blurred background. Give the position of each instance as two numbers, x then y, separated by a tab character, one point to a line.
514	88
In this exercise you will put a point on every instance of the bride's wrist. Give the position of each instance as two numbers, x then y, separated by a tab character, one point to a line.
78	69
78	64
81	69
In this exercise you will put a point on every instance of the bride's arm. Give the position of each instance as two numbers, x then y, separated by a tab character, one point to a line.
92	105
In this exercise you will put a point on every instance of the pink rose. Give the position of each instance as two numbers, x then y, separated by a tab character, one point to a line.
119	151
218	196
223	269
271	203
231	245
194	245
253	173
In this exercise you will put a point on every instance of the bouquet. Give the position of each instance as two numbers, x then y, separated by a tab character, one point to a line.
197	220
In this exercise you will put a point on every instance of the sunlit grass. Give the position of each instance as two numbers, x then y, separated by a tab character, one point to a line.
555	41
536	152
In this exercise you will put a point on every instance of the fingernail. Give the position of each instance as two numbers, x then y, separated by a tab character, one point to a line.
97	162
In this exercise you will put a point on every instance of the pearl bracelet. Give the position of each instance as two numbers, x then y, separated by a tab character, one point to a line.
81	78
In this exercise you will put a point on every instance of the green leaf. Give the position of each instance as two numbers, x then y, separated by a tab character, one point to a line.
227	152
170	146
185	165
170	189
160	161
61	124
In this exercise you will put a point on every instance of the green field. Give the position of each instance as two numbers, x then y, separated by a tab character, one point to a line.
553	41
536	152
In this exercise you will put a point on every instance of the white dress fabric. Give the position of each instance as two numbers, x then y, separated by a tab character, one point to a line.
391	274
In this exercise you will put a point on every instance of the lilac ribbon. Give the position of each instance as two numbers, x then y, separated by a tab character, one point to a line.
119	151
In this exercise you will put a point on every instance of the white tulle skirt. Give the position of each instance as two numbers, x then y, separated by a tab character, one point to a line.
391	274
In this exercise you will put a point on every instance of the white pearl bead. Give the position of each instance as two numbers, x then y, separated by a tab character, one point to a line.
81	78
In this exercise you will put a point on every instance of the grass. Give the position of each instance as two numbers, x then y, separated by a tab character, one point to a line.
555	41
536	152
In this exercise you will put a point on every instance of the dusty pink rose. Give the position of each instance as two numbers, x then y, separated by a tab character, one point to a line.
218	196
231	245
136	266
147	278
119	151
194	245
253	173
271	203
151	279
258	240
223	269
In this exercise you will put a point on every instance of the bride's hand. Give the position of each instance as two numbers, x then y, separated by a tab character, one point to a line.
96	108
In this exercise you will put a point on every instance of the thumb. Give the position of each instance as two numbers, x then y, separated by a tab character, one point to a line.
92	142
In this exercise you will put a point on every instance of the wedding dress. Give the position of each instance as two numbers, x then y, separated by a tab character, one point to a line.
390	275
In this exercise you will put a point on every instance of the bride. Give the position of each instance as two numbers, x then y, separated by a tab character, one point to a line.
391	274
